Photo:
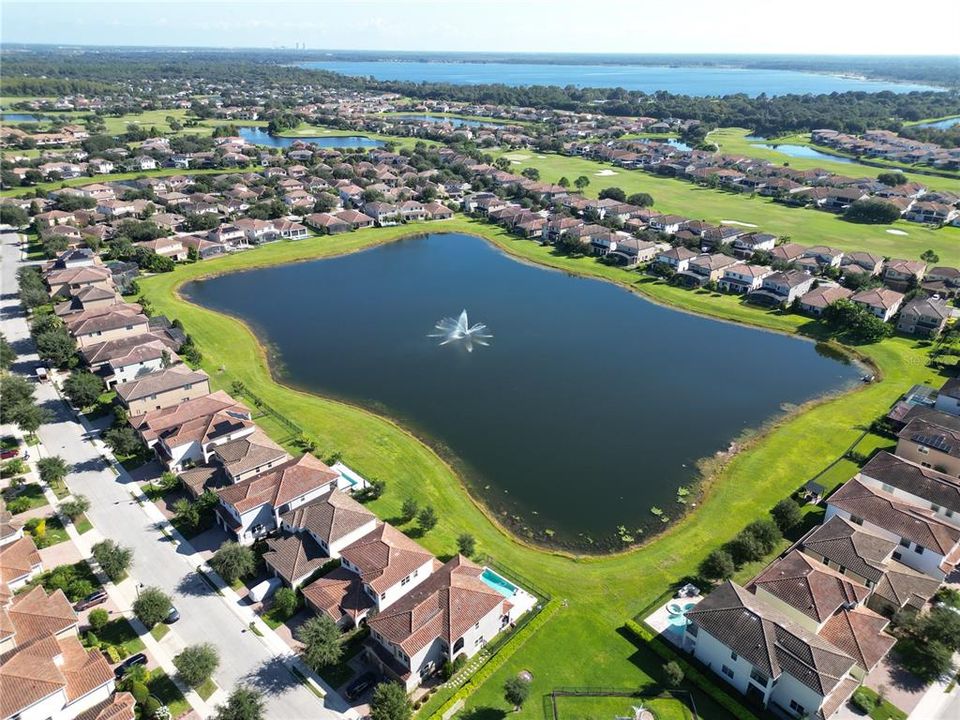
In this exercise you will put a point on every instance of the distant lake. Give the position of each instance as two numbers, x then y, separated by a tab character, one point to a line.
262	137
438	119
647	78
940	124
804	151
21	117
590	406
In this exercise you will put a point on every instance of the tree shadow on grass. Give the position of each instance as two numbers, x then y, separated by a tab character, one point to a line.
482	713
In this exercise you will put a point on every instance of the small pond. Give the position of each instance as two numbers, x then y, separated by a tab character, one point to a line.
803	151
21	117
259	136
455	121
589	407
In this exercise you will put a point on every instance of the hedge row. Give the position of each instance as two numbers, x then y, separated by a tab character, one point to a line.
497	661
690	672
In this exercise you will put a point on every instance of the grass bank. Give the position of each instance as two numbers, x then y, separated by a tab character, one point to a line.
801	225
598	593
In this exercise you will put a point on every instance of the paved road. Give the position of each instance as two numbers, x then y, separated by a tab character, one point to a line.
205	617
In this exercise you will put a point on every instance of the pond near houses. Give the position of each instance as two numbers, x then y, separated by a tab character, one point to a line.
590	405
262	137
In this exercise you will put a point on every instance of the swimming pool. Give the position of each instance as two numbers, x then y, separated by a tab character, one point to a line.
679	619
498	583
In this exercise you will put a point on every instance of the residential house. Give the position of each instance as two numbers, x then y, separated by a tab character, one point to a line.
92	327
170	247
857	262
867	558
452	613
327	223
932	443
188	432
782	288
383	214
948	397
251	508
743	277
927	543
881	302
356	220
677	259
164	388
903	275
925	317
767	655
705	269
45	672
66	282
815	301
20	560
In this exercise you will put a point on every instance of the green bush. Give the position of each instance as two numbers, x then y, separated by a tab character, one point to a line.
18	505
98	618
864	700
151	706
113	653
91	639
140	692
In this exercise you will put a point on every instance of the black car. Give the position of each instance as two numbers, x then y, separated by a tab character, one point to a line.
94	598
172	616
130	662
359	686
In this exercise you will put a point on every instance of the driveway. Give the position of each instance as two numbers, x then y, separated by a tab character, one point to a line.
205	616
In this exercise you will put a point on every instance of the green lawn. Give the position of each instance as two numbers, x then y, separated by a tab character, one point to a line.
53	534
600	592
608	708
159	631
120	632
164	689
801	225
733	141
32	492
82	524
207	688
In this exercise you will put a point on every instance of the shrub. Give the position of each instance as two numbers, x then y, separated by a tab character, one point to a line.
786	514
18	505
113	652
233	562
766	533
113	559
427	519
516	691
91	639
321	639
196	663
466	544
98	618
285	602
152	606
864	700
673	674
76	507
718	565
408	511
140	692
745	548
390	702
151	706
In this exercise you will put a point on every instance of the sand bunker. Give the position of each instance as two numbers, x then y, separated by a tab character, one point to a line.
896	232
605	173
516	156
736	222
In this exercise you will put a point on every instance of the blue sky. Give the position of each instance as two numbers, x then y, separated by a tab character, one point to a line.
637	26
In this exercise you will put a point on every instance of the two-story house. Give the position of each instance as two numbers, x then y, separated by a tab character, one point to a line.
743	278
163	388
452	613
925	317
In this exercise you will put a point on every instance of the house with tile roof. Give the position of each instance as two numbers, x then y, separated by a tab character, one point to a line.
19	558
451	613
928	544
45	672
189	431
932	442
386	564
163	388
251	508
768	656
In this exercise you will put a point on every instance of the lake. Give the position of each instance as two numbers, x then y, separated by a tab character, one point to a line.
804	151
21	117
941	124
262	137
589	407
437	119
646	78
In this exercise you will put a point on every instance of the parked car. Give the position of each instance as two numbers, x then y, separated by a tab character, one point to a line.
95	598
172	616
9	447
359	686
128	664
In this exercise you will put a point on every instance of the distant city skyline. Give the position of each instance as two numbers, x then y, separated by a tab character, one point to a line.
614	26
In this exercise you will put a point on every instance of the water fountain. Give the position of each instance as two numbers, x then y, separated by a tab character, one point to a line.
459	330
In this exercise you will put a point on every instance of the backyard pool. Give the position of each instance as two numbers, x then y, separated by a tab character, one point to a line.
498	583
678	613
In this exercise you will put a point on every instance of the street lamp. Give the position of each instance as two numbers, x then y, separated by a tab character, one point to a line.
139	585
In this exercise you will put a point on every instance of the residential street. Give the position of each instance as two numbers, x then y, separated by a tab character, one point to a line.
205	615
